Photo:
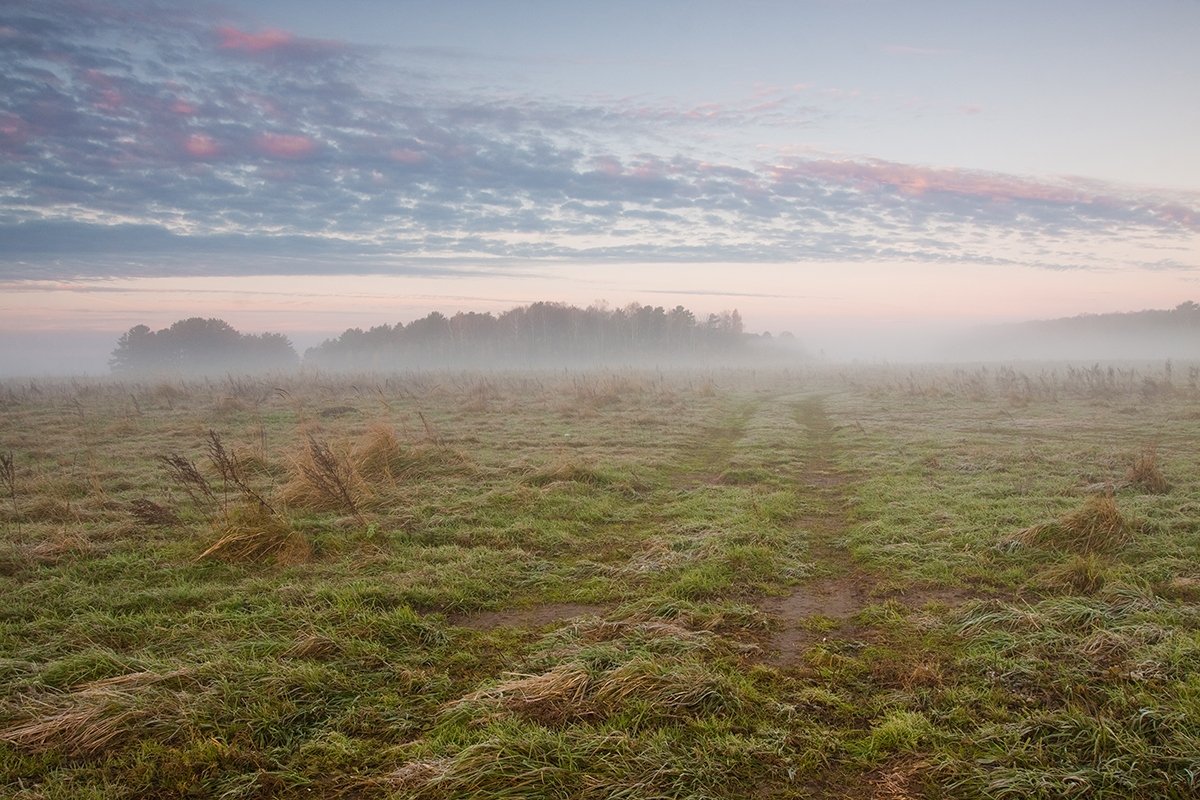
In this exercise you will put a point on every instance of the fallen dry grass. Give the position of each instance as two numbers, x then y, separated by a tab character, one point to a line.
96	716
1097	527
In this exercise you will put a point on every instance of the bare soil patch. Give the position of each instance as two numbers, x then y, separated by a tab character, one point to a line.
804	615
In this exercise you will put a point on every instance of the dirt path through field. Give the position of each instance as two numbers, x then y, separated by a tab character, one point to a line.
824	608
820	605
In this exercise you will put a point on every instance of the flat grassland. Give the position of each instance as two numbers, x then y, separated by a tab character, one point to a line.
816	583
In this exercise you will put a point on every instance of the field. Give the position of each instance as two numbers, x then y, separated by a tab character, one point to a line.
887	583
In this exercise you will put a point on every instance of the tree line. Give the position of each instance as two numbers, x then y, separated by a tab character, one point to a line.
539	334
1136	335
198	345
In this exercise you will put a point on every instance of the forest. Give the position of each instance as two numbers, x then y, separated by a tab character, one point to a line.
541	334
200	345
1151	334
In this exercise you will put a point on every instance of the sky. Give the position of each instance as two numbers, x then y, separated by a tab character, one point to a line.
824	166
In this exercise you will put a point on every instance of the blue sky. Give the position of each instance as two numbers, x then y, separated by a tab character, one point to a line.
306	166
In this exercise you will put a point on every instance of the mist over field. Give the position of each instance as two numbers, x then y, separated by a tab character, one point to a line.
1143	336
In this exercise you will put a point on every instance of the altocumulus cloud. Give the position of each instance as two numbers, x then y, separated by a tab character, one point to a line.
142	140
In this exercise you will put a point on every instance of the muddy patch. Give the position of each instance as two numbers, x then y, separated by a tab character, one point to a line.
824	611
811	614
834	598
535	617
826	478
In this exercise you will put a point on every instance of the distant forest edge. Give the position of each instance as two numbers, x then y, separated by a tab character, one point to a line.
540	334
1134	335
201	346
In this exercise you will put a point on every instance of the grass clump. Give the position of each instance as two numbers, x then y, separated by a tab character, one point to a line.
1082	573
1145	474
575	691
8	478
324	480
1097	527
252	532
380	458
152	514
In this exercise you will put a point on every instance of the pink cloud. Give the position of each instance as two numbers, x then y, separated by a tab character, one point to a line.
271	41
403	155
608	165
285	145
201	145
14	132
916	181
183	108
230	38
650	169
705	111
1179	215
108	95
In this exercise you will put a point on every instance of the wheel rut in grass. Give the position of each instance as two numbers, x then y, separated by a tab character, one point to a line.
824	605
824	608
708	460
532	617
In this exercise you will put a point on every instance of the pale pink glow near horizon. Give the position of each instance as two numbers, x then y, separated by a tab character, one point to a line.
797	298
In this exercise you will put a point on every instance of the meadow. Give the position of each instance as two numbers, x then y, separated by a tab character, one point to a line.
816	582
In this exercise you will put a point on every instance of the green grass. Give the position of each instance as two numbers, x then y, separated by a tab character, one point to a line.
570	586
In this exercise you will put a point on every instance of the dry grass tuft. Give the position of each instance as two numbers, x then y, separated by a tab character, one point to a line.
313	646
414	775
380	457
1097	527
1145	474
65	542
900	781
149	513
323	480
251	532
95	717
564	472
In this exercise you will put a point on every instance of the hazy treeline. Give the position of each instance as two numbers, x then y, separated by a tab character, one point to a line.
539	334
198	345
1151	334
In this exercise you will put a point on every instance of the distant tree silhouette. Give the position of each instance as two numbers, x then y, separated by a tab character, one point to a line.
542	333
1148	334
200	345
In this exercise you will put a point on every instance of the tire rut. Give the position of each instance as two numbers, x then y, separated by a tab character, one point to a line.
824	607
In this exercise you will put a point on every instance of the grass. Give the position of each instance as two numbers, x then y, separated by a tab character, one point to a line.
1097	527
818	583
